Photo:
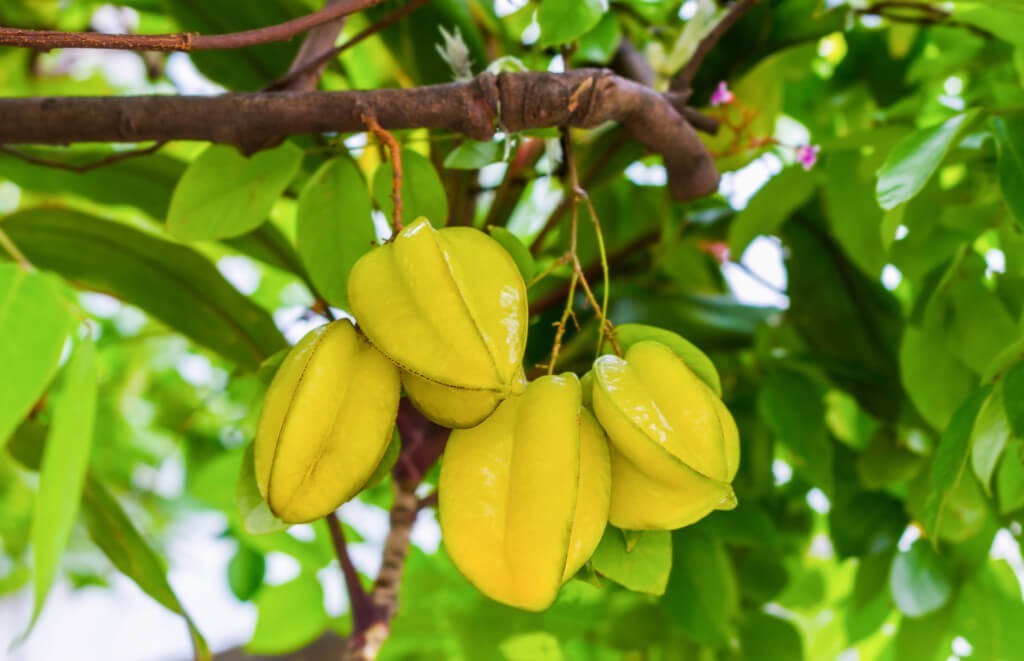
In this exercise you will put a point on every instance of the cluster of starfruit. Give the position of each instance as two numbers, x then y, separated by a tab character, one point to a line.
533	472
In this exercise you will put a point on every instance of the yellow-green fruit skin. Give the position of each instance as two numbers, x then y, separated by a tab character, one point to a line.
449	307
326	422
674	445
523	497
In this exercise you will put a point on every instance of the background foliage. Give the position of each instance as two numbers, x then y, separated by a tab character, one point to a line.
880	403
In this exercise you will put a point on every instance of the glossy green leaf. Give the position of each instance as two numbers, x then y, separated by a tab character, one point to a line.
702	595
644	567
225	194
514	246
915	158
629	334
562	21
115	534
62	472
950	461
171	282
256	515
771	207
473	155
335	226
989	436
35	317
1009	135
422	191
290	616
1013	398
920	581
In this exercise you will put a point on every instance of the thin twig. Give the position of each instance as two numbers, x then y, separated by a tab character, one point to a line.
306	69
81	169
325	57
45	40
359	600
919	14
12	249
685	77
395	152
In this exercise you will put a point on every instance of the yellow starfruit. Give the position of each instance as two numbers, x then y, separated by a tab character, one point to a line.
674	445
523	497
326	423
449	307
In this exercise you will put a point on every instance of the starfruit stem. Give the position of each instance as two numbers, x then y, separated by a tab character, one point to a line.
395	153
362	607
12	249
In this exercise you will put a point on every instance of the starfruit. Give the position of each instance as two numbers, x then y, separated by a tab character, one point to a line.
674	445
449	307
523	497
326	423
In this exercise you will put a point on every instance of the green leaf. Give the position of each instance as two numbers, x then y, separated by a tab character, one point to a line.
225	194
853	215
35	318
473	155
1010	479
629	334
645	567
514	246
920	581
245	572
771	207
256	515
934	379
989	437
916	157
335	226
1009	135
290	616
1013	398
791	406
173	283
764	636
534	646
422	191
116	535
702	596
62	472
950	461
562	21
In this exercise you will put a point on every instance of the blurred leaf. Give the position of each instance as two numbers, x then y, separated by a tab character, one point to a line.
629	334
764	636
926	638
517	249
644	567
854	217
62	472
920	581
935	380
256	515
562	21
335	226
115	535
1010	479
538	646
1013	389
791	406
1009	134
915	158
702	595
473	155
598	45
290	616
771	207
245	572
950	461
171	282
35	318
989	436
422	191
225	194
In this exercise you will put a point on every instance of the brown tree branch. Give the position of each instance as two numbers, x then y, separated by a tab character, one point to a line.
45	40
685	77
583	98
359	600
307	67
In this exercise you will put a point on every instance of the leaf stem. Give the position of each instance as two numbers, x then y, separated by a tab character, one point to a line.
11	249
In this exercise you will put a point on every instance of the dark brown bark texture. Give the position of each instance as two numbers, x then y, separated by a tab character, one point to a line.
583	98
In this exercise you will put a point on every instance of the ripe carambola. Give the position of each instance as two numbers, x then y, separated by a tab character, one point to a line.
449	307
523	497
326	422
674	446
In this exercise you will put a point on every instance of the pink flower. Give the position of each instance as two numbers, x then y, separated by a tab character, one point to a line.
807	155
722	95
